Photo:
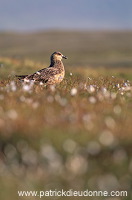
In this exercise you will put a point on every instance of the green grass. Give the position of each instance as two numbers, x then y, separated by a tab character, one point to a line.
77	135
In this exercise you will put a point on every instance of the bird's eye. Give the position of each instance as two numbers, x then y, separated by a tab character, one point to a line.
59	54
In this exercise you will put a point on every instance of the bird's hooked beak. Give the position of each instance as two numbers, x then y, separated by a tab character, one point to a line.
64	57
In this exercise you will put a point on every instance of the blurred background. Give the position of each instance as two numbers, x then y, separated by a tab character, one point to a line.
78	135
89	32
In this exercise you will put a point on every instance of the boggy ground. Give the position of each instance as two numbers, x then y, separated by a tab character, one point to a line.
75	135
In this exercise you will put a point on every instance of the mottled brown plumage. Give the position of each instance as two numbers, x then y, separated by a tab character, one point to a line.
50	75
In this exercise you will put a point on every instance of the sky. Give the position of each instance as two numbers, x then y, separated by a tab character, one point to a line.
32	15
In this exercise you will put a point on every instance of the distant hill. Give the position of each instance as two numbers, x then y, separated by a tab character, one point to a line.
102	48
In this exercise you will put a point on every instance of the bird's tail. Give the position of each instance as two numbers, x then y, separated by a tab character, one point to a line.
21	77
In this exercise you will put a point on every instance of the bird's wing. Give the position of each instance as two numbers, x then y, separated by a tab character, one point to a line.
43	74
21	77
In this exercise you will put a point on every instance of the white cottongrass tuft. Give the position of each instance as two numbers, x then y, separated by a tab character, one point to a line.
117	110
110	122
73	91
91	89
94	148
13	86
12	114
35	105
92	100
106	138
52	88
69	146
41	83
118	85
26	87
104	90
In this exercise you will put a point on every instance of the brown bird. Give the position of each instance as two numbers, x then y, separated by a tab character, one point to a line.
50	75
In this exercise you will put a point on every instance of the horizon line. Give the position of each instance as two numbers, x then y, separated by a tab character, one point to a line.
66	30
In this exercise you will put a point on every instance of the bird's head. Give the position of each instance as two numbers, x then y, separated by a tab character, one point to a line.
57	56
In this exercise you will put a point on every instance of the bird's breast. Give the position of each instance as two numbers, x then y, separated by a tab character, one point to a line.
56	78
59	77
